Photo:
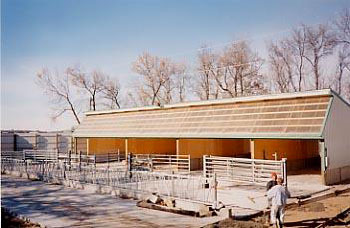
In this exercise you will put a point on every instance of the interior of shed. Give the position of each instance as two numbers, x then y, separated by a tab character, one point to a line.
302	155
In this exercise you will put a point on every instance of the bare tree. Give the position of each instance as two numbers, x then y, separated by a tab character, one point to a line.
58	88
181	82
342	30
237	73
93	83
297	46
320	43
111	92
343	26
205	86
280	65
158	81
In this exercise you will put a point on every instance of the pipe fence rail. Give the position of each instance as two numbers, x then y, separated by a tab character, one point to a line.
161	163
253	171
186	187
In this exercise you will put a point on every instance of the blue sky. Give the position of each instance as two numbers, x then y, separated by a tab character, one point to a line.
109	35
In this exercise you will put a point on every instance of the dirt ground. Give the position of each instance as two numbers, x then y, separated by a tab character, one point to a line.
9	220
316	213
312	214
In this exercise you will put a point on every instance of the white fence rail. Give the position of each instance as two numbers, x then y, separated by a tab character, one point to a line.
161	162
254	171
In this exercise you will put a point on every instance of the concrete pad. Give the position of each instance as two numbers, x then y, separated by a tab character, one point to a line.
58	206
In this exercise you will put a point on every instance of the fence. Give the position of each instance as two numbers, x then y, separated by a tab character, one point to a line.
36	155
253	171
27	140
192	188
161	163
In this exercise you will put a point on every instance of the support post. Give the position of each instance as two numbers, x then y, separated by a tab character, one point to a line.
324	160
126	148
177	147
118	155
87	146
252	149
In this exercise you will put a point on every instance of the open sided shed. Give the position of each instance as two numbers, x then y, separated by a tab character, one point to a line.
311	129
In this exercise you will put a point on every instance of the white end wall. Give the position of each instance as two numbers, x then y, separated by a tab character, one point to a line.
337	142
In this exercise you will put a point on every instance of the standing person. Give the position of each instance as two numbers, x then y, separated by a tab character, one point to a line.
272	182
269	185
278	195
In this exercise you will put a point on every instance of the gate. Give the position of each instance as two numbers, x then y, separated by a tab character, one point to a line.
253	171
161	163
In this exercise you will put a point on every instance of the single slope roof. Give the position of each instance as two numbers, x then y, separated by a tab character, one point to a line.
290	115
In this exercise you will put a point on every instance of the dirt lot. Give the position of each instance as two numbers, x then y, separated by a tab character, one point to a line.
9	220
308	215
316	213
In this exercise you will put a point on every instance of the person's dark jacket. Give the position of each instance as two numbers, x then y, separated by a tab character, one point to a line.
270	184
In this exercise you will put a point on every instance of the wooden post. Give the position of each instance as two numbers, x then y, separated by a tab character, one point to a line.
126	148
252	149
177	147
87	146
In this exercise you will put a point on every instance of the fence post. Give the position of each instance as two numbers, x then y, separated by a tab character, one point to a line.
129	162
253	170
69	158
204	166
171	167
215	191
108	160
79	160
118	155
129	167
94	173
172	184
108	182
284	164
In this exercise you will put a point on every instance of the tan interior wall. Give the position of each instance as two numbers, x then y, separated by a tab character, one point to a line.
300	154
290	149
220	147
152	146
105	145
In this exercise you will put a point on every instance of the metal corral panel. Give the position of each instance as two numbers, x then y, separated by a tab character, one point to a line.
299	116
